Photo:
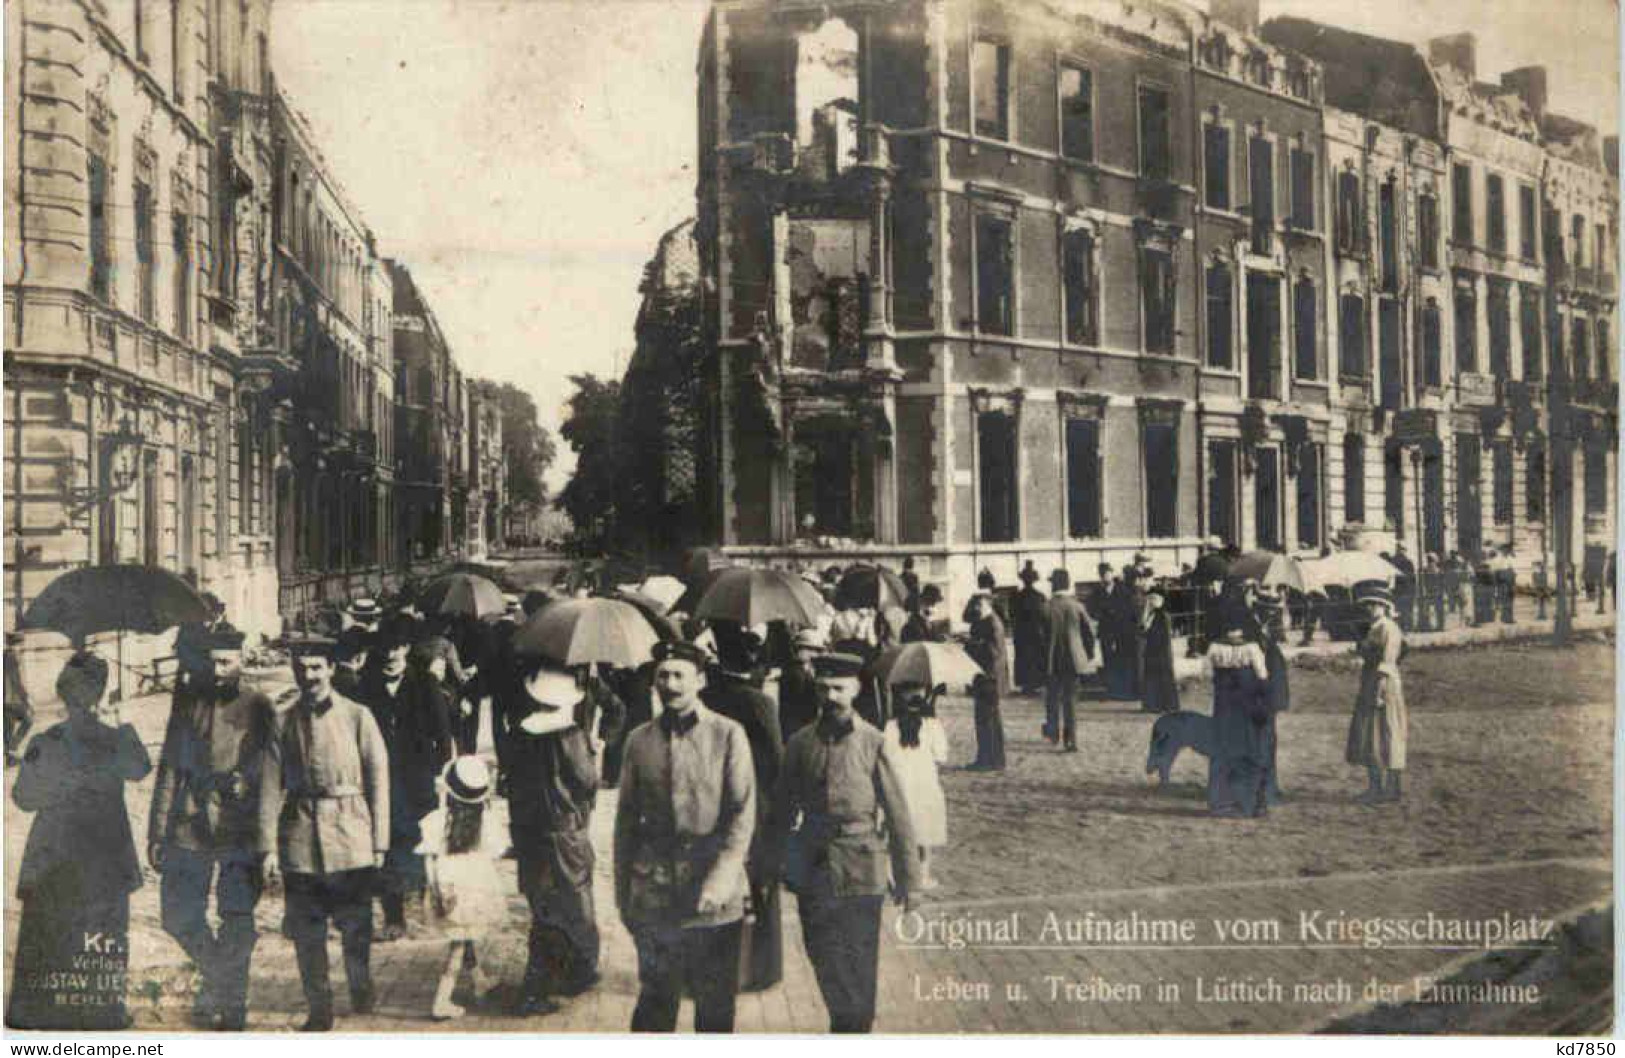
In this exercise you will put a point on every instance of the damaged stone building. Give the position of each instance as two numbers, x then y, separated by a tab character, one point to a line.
990	281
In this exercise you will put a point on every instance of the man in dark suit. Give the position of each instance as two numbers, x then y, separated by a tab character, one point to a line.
1071	647
1404	586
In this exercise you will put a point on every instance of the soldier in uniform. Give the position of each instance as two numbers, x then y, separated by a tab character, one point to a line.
839	776
683	830
202	828
324	821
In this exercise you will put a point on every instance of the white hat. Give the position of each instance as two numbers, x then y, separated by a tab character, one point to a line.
467	780
554	689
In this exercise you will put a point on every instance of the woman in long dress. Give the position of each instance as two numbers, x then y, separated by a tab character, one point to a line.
79	866
1379	731
1159	690
923	746
1238	769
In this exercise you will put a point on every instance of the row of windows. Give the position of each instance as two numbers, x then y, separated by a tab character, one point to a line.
1217	166
1398	505
145	207
1262	327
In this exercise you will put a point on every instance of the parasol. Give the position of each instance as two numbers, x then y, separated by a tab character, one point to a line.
460	595
1268	568
1344	569
927	663
662	589
756	596
653	612
587	631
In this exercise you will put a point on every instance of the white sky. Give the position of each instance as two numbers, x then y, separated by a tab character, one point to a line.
523	156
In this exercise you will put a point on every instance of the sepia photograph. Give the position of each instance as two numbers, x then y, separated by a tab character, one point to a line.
1020	517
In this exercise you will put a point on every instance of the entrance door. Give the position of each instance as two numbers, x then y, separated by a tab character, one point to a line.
1267	508
1469	509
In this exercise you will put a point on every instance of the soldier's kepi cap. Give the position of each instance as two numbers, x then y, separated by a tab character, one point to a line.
309	646
680	650
835	665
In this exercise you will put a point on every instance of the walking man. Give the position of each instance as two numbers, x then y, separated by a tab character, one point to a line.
1071	646
201	833
839	777
682	831
324	823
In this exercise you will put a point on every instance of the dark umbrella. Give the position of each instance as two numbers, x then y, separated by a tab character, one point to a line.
587	631
874	587
1211	568
122	598
460	595
756	596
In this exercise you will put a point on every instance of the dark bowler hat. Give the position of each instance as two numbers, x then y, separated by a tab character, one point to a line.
838	665
398	629
1028	573
680	650
310	646
985	579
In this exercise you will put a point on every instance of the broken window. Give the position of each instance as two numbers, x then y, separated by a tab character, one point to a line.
1154	119
1526	221
1534	483
1303	189
1466	329
1427	229
1350	217
1500	311
1160	436
1351	336
1353	478
1388	234
995	274
1306	364
1082	288
829	281
826	95
1501	474
1495	218
1461	195
1309	466
833	480
1220	314
1216	165
996	453
1157	299
1432	351
990	77
1529	312
1083	478
1077	112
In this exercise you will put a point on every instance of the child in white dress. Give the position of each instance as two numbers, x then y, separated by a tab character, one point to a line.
921	745
462	847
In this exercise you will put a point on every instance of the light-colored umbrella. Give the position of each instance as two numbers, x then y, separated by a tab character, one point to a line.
928	664
1344	569
587	631
753	596
1268	568
663	589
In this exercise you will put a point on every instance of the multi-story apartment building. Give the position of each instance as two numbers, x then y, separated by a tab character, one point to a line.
137	209
428	419
332	480
992	281
1265	416
956	295
486	471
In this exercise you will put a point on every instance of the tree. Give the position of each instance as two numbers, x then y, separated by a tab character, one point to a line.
527	448
592	496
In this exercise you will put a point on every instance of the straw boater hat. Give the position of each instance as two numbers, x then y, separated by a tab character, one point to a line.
553	696
467	780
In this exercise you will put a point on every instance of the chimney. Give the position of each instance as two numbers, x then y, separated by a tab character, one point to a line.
1238	14
1530	84
1459	50
1610	155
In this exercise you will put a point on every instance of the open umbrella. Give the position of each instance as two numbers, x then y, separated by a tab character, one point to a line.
1268	568
652	611
874	587
1345	569
927	663
587	631
460	595
662	589
753	596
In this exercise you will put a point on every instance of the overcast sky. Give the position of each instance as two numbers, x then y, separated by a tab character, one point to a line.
524	156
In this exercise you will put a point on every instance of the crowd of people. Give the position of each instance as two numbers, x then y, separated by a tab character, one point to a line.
747	758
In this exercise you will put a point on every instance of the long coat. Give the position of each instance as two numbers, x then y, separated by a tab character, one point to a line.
1027	626
1238	768
1159	690
987	648
1071	643
1379	731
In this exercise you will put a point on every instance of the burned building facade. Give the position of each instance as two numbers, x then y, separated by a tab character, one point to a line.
987	281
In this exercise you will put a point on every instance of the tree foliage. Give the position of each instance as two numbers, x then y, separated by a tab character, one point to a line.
592	431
